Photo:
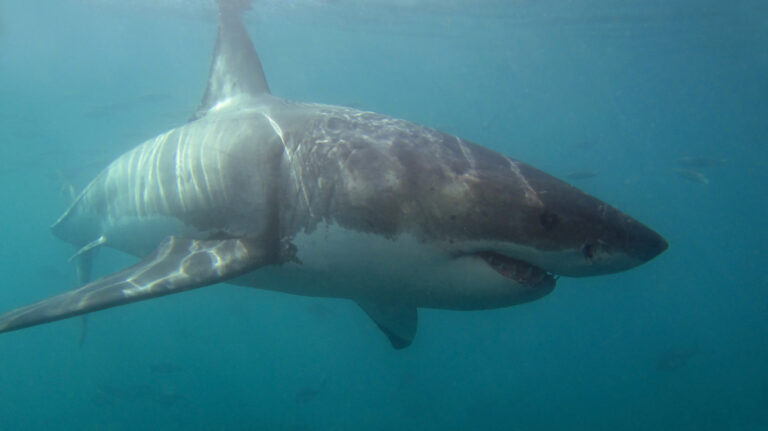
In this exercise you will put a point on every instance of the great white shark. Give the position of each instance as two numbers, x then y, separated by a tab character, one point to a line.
330	201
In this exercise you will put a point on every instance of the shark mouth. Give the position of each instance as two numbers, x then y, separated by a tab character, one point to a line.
517	270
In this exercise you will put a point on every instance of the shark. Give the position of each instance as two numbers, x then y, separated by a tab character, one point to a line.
329	201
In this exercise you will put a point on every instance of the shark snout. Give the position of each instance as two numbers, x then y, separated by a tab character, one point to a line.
630	244
644	244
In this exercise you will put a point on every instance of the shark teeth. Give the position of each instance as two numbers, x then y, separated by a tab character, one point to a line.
517	270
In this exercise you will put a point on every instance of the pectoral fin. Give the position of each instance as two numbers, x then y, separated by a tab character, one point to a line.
176	265
397	321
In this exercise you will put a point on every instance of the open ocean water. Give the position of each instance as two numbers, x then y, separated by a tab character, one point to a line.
657	107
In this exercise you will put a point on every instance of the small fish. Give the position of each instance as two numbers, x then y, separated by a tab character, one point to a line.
581	175
700	162
691	175
138	394
674	359
310	392
585	145
164	368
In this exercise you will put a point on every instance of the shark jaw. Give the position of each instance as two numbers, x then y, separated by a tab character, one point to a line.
517	270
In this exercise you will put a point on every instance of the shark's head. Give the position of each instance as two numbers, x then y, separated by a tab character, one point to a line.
529	226
494	219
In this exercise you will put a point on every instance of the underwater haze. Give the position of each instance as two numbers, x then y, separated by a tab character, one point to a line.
659	108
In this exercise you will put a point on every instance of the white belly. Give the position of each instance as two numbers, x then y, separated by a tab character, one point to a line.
335	262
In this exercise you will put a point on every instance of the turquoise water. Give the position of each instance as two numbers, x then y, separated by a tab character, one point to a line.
621	91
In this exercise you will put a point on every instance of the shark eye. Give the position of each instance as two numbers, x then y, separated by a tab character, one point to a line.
594	249
549	220
589	249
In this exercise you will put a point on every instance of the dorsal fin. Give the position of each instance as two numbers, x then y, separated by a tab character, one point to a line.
235	69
